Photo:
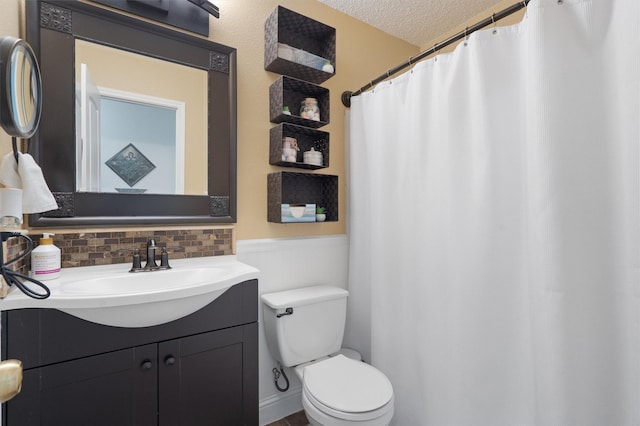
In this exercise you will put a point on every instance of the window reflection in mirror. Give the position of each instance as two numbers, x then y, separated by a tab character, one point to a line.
141	123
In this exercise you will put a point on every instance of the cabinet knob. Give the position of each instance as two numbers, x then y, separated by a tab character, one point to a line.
169	360
146	365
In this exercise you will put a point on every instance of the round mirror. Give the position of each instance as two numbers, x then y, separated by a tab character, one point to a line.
20	88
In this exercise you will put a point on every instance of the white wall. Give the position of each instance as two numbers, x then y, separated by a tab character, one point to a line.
285	264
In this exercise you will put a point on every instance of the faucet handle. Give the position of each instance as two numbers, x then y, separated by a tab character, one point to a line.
137	262
164	259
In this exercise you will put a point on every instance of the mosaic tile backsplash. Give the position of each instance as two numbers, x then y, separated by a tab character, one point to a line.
102	248
16	246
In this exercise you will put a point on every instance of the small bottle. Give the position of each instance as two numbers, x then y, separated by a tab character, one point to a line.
45	259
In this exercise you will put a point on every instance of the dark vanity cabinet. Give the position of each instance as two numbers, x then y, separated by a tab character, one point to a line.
198	370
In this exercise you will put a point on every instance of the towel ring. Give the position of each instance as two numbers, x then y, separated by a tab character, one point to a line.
14	144
16	149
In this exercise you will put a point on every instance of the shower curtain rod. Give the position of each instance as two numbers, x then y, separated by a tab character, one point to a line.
346	95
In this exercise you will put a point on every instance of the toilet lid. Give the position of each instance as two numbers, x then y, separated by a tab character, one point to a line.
347	385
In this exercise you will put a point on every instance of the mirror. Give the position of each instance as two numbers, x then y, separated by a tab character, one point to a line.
185	172
20	88
122	114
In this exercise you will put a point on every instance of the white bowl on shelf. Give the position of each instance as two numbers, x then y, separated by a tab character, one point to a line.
297	211
312	157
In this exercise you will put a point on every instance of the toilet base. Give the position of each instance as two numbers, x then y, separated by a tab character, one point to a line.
319	418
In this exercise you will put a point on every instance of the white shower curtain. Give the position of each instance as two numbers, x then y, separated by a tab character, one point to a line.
494	224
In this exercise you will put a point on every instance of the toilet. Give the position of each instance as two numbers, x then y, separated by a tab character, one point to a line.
304	329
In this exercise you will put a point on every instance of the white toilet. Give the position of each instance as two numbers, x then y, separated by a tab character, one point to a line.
304	329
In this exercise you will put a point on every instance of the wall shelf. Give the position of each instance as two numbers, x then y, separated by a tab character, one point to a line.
285	31
300	49
307	138
302	188
291	92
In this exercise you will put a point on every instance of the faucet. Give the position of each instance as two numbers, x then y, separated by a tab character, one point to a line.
151	264
151	255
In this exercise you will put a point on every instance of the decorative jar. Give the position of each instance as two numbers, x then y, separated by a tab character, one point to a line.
309	109
290	149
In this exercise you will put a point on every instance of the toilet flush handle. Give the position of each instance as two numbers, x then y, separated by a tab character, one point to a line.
288	311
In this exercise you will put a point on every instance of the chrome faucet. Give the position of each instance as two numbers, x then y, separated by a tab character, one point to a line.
151	255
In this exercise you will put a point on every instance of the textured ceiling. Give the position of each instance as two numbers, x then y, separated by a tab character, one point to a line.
415	21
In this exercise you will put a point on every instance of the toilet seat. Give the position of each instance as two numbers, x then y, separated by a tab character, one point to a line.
347	389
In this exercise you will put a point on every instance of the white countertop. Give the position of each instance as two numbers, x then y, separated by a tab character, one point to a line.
111	295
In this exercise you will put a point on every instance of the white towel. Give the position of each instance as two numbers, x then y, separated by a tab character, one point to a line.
27	175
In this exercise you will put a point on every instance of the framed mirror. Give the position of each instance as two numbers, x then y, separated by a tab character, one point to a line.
105	78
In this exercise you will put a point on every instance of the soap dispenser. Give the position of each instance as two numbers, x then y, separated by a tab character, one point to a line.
45	259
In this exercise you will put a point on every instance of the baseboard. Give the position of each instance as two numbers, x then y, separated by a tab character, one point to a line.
280	406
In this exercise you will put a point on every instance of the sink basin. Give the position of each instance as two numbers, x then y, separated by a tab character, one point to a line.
142	282
110	295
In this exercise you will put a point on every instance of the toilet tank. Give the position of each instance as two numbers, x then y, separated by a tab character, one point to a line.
314	328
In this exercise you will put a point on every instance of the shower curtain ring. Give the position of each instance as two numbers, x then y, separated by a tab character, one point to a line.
493	20
466	36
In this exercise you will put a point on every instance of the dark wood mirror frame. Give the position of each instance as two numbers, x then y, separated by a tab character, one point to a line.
52	28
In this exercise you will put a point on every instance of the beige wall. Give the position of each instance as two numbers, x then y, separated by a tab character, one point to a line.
362	53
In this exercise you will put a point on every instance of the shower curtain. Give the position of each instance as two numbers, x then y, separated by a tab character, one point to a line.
494	224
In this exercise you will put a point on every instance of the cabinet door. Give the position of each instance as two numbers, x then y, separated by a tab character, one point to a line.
117	388
209	379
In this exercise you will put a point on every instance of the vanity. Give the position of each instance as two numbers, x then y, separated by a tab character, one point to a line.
198	369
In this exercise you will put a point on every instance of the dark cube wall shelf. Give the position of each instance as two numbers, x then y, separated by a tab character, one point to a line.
298	31
289	38
291	92
301	188
307	139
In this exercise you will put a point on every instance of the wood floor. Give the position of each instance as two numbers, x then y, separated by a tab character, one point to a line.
295	419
